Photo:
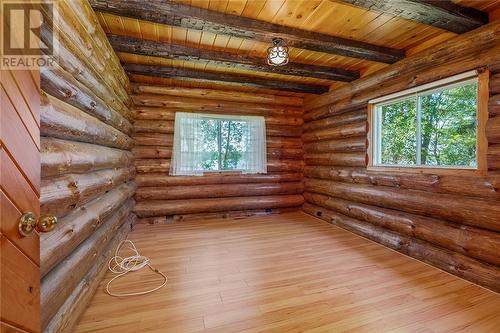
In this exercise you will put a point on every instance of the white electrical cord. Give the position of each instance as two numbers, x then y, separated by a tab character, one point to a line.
122	266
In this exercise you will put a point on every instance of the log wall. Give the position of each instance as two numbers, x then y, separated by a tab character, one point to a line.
160	196
449	221
87	163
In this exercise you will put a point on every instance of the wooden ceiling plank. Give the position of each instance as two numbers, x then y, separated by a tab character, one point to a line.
437	13
170	13
244	61
226	78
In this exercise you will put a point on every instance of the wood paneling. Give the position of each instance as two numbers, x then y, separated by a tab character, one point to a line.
19	194
285	273
20	288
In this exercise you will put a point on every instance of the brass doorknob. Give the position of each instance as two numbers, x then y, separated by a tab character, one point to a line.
28	222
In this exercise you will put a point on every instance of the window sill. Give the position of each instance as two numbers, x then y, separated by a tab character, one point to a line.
429	170
226	172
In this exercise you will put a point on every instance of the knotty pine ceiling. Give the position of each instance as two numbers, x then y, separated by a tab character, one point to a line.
329	17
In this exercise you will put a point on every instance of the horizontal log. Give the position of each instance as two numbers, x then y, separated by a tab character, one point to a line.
145	152
494	157
493	130
166	152
351	144
60	157
154	126
201	19
469	241
173	207
79	23
495	84
67	315
60	195
58	284
167	112
283	142
287	153
154	220
471	50
467	268
231	214
333	110
444	15
167	126
356	159
228	78
215	94
228	60
161	179
338	132
152	152
60	84
81	68
476	212
163	165
337	120
153	139
284	166
494	105
283	130
216	191
157	113
152	165
486	187
154	113
64	121
78	225
204	105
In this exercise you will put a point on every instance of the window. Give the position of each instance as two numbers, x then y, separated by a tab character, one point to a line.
432	126
204	143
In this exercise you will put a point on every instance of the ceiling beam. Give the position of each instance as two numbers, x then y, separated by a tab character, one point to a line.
174	14
224	78
442	14
226	59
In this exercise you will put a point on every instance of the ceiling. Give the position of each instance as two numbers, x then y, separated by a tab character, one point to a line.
329	17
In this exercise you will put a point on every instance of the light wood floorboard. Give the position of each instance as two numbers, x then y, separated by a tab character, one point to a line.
285	273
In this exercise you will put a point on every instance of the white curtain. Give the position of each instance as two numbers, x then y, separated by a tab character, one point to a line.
188	149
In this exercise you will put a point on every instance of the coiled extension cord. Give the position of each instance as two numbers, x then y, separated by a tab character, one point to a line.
124	265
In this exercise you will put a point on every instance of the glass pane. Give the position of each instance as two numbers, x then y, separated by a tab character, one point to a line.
233	144
210	153
449	127
398	133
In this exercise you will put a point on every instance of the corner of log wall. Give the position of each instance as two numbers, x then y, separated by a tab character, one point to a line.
448	221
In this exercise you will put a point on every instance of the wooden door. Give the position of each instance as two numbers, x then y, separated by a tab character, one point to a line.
19	193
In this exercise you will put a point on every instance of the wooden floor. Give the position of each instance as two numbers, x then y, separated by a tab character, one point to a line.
286	273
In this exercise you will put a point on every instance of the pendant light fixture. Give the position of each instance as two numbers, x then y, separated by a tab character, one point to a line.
277	55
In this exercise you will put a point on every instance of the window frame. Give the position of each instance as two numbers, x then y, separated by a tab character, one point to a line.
222	117
374	125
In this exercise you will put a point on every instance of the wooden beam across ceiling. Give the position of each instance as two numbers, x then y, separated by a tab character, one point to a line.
226	59
175	14
224	78
442	14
